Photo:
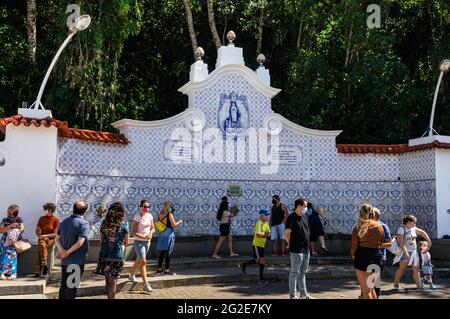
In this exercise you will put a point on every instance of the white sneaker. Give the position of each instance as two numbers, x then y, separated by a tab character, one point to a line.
2	277
132	278
148	288
12	277
307	296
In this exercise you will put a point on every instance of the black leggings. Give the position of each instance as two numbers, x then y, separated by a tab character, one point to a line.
164	253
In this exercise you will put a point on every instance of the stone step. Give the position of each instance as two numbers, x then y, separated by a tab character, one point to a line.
96	285
22	286
21	297
209	262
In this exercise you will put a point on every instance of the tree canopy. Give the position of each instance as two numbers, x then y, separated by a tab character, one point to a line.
335	73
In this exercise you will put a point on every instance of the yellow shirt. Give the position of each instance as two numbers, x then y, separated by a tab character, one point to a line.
261	227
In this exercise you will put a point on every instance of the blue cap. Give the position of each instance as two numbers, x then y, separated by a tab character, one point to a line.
264	211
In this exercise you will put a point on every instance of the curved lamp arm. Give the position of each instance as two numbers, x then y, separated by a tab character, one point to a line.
444	67
37	104
80	24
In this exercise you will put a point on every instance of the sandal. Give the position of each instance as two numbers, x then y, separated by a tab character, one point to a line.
399	288
234	255
314	254
216	257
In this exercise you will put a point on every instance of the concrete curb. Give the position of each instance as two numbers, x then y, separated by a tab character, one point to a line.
207	263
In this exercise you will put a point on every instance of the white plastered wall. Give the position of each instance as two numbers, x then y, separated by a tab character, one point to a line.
443	191
28	177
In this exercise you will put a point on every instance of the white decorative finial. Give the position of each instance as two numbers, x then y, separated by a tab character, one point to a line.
199	54
231	36
262	72
261	59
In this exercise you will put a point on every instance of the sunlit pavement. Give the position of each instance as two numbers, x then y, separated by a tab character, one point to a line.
321	289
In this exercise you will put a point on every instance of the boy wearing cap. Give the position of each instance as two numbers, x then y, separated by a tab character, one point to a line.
262	232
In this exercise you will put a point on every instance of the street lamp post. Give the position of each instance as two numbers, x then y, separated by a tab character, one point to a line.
444	67
81	23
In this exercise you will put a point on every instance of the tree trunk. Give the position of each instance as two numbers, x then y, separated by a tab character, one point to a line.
225	30
212	24
300	31
260	32
190	24
347	55
31	28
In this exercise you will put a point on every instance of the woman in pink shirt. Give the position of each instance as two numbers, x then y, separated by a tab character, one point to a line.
143	229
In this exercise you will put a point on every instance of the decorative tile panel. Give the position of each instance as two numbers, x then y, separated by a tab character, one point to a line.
196	202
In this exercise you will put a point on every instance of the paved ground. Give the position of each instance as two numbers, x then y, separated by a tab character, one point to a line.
323	289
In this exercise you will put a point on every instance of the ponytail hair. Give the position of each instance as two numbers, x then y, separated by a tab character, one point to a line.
366	214
222	207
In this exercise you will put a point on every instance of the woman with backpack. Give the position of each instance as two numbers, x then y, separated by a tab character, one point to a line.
166	238
408	254
224	217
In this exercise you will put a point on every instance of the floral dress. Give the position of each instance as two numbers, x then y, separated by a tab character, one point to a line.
112	252
8	253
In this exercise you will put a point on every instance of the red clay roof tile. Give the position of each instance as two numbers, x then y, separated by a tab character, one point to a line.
64	130
387	148
19	119
94	136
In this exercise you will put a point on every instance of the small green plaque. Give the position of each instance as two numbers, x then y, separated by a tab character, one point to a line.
234	190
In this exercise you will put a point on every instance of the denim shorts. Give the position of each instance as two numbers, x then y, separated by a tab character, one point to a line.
141	248
278	231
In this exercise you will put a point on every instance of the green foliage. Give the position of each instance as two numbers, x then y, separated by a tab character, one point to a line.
377	85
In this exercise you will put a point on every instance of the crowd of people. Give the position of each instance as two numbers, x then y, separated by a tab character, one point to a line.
297	232
370	238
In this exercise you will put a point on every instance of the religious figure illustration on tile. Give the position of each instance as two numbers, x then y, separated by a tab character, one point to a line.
233	115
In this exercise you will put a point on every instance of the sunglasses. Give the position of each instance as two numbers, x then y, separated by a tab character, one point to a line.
145	206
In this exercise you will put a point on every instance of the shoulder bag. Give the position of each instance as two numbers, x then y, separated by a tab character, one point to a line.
21	246
159	225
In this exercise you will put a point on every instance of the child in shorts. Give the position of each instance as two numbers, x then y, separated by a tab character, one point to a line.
427	267
262	232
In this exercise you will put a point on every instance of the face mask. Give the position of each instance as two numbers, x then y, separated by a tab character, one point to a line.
305	210
274	201
145	209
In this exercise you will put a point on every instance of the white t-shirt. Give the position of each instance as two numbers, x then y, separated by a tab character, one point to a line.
225	216
144	224
409	238
426	259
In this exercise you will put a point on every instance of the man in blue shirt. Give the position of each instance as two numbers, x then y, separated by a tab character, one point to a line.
72	243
